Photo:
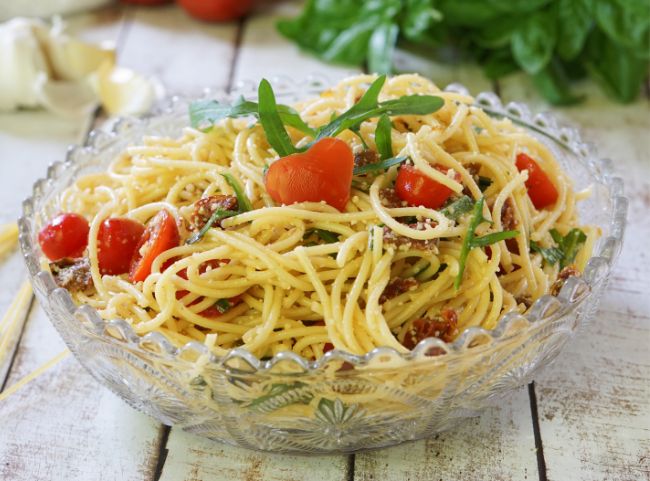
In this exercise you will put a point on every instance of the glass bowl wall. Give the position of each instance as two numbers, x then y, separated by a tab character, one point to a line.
341	402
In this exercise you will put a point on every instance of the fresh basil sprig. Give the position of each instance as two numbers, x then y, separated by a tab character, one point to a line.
471	241
377	166
205	113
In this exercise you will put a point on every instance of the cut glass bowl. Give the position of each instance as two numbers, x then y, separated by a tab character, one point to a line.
341	402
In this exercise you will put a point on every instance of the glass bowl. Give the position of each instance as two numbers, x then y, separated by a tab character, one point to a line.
341	402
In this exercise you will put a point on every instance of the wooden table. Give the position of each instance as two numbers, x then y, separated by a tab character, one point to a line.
586	418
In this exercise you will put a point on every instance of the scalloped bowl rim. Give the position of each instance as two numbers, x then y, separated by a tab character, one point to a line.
546	309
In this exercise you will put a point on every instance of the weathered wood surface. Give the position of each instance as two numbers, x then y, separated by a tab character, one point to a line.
593	404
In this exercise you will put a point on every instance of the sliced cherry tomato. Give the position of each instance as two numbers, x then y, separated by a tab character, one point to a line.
323	173
117	240
217	10
66	235
541	190
161	234
417	189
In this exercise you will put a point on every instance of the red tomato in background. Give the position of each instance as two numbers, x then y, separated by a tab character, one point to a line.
66	235
217	10
417	189
541	190
324	172
146	2
116	242
161	234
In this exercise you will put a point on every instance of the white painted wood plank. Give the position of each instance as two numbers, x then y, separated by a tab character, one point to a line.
192	458
497	445
185	54
266	53
63	425
594	402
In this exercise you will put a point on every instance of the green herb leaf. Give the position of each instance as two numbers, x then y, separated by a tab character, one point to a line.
205	113
574	22
551	255
484	183
533	42
383	138
223	305
271	123
471	241
411	105
244	205
382	47
379	166
570	244
458	208
215	217
326	235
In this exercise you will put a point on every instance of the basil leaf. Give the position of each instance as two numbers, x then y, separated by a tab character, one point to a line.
551	255
244	205
383	165
215	217
383	139
458	208
553	84
626	22
418	17
271	123
382	47
574	22
533	42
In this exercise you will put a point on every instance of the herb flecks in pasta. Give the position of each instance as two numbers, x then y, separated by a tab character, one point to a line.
419	217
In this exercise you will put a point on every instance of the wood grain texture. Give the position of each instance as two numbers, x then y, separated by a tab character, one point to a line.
192	458
594	402
497	445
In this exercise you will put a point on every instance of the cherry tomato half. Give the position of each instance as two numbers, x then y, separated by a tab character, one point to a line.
217	10
418	189
117	240
541	190
323	173
161	234
66	235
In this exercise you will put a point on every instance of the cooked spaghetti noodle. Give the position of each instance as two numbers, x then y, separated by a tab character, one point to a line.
296	293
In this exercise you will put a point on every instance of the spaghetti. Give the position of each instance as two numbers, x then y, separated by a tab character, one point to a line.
307	277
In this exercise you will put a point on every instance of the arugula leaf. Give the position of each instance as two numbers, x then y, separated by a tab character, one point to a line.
457	208
570	244
205	113
383	138
551	255
411	105
382	165
326	235
471	241
271	122
566	247
217	215
244	205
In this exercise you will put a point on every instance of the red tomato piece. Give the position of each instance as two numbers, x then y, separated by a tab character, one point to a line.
117	240
541	190
161	234
322	173
66	235
417	189
217	10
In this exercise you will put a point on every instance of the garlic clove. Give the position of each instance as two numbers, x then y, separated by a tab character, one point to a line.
67	98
